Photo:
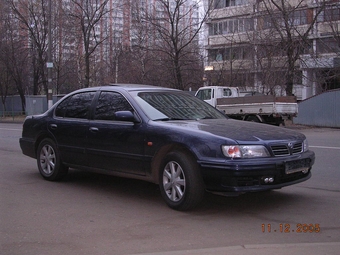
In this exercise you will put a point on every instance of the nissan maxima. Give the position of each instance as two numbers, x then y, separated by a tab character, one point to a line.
167	137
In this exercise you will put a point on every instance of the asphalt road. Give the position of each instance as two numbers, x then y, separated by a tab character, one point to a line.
95	214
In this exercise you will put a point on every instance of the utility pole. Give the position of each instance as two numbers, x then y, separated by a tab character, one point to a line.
49	58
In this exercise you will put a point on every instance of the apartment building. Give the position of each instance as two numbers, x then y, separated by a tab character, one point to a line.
265	45
125	24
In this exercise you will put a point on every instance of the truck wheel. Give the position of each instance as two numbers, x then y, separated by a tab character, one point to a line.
253	118
49	162
180	181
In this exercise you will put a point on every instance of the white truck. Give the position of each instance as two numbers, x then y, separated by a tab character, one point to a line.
250	106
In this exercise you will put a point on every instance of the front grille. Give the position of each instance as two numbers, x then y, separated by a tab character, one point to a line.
286	149
280	150
297	148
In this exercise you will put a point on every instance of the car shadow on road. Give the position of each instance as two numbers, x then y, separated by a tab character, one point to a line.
129	188
264	200
136	191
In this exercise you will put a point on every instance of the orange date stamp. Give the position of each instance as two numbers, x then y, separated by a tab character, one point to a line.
290	228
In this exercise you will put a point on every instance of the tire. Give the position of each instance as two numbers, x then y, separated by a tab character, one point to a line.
49	161
253	118
180	181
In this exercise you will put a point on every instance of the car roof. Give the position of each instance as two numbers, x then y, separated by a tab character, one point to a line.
128	87
132	87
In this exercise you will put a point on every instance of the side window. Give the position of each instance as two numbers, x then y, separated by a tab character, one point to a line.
109	103
61	108
226	92
204	94
76	106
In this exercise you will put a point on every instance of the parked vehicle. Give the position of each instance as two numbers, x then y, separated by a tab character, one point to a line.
250	106
167	137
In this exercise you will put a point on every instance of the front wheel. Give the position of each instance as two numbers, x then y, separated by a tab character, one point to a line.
49	162
180	181
254	118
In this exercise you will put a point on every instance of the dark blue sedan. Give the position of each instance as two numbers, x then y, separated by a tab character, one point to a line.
167	137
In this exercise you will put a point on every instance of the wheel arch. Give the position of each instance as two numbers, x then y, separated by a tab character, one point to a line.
159	156
254	118
40	138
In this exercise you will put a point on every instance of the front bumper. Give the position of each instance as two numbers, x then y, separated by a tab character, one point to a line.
249	175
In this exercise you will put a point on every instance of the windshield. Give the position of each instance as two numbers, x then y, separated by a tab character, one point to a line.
167	105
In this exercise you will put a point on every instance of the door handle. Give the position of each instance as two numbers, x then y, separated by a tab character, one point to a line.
93	129
53	126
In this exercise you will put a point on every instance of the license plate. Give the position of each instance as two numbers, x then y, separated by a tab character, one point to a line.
297	166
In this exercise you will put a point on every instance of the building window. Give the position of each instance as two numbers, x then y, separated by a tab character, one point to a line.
231	26
234	53
298	17
332	13
218	4
328	45
276	20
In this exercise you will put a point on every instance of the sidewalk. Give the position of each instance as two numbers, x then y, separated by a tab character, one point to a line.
331	248
14	119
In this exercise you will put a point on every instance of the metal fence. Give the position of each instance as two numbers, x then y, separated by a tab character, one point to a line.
321	110
34	105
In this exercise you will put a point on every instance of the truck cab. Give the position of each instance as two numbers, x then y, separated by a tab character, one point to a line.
210	94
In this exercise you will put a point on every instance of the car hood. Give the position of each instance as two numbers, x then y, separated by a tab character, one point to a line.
238	130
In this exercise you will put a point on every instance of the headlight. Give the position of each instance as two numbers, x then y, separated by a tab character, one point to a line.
245	151
305	145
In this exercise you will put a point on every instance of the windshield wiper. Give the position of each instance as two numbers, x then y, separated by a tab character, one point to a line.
167	119
206	118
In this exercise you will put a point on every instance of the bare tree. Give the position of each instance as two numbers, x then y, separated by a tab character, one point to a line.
87	16
33	18
65	65
13	59
281	24
175	31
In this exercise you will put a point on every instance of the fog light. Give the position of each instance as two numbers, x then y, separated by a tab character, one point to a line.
305	171
268	179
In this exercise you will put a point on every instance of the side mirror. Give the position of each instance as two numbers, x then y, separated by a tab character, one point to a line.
125	116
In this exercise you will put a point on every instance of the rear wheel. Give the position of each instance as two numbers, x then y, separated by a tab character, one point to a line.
49	162
180	181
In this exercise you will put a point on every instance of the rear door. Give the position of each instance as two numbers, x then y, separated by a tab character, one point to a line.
70	126
112	144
